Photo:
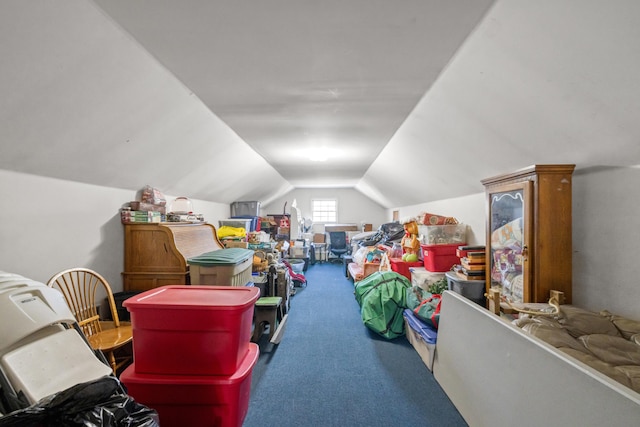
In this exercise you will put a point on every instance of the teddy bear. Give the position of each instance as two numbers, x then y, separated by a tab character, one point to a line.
410	243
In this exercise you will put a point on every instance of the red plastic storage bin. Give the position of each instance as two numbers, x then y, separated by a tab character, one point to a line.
193	400
440	258
402	267
191	330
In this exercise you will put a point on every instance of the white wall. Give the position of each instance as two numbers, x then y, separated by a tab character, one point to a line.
606	230
48	225
469	210
353	206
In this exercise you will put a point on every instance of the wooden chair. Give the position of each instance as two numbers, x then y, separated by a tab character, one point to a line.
81	288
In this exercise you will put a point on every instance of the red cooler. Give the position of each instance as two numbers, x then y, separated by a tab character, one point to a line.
192	330
195	400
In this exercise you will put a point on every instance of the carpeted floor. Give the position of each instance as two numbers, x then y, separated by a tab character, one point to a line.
330	370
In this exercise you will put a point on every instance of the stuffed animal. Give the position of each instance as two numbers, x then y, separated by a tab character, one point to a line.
410	243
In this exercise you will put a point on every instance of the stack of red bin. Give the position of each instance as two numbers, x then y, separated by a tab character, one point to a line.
403	267
193	357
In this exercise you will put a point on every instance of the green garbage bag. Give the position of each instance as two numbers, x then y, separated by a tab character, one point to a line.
382	298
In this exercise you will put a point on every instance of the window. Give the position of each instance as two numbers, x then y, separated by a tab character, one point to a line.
324	210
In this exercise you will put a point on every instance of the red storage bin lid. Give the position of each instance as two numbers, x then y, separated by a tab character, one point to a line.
194	297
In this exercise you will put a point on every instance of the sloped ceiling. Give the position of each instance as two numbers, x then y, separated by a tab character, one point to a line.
293	77
411	101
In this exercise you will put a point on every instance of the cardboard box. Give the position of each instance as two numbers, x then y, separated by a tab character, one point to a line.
318	238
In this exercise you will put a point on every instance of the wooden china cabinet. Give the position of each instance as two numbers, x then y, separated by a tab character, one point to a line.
529	240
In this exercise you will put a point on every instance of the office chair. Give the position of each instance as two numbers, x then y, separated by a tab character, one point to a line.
338	243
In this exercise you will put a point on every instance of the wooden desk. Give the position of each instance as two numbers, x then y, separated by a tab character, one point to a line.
156	254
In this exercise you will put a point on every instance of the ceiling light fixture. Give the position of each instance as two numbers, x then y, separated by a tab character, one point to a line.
318	154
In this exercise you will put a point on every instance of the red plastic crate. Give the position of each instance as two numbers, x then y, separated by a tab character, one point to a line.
440	258
191	330
192	400
402	267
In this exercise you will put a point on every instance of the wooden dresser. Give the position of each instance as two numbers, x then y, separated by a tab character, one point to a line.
156	254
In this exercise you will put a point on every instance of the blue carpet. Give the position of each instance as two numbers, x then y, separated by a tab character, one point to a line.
331	370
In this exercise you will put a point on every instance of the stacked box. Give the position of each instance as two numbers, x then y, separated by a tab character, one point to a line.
473	262
191	330
193	357
440	258
403	267
195	400
128	216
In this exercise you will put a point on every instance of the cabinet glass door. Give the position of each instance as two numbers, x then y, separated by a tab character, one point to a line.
508	242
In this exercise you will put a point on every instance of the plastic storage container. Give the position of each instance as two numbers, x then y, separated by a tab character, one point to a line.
471	289
402	267
195	400
237	223
421	336
181	205
424	278
297	265
443	234
251	208
192	330
440	258
224	267
255	224
299	251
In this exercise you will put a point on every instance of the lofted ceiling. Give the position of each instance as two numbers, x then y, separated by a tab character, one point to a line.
305	80
408	102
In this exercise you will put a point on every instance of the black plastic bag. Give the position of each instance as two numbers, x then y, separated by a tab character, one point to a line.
99	403
386	233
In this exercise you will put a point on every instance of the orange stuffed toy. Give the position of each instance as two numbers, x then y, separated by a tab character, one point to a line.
410	243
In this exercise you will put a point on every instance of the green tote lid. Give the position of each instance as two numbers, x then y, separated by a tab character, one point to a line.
228	256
